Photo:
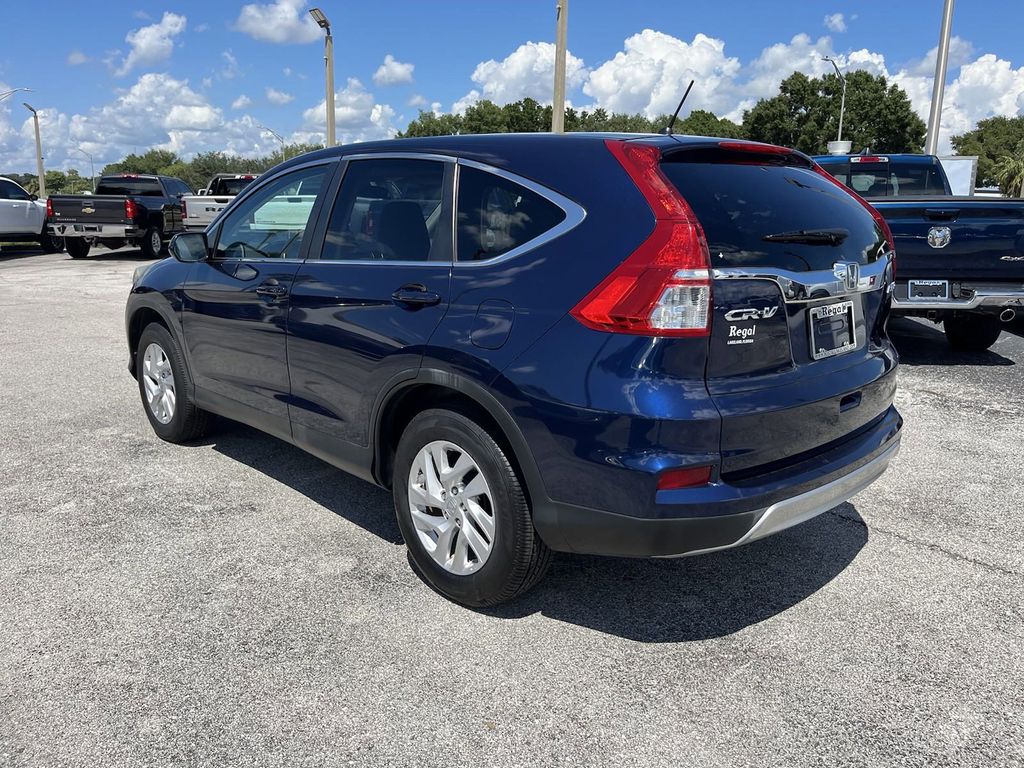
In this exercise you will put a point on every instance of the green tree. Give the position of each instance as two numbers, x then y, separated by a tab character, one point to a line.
700	122
56	181
1009	172
429	124
805	115
152	161
992	140
527	116
485	117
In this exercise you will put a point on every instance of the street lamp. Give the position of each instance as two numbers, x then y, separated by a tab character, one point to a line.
92	168
842	104
278	136
325	25
5	94
39	152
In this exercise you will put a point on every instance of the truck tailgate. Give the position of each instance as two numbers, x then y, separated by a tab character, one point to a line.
88	209
985	237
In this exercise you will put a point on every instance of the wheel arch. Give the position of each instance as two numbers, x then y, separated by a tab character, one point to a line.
140	317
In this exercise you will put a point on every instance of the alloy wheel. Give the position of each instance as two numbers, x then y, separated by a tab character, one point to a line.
451	507
158	380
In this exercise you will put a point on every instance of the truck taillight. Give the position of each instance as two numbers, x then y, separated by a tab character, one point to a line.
184	209
129	209
49	208
664	287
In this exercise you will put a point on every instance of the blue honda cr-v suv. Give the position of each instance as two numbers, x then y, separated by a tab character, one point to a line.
623	345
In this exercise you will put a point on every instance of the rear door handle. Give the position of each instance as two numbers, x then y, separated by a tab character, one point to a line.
271	288
414	295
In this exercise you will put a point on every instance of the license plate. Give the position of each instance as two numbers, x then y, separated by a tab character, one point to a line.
833	329
927	290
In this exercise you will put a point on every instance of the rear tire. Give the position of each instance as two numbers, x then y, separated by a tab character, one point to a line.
972	332
78	247
152	243
483	503
164	386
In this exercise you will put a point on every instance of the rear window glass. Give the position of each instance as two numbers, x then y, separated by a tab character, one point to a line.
130	187
739	204
890	179
229	186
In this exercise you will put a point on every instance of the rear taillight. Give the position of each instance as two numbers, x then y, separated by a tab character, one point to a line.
878	217
129	209
184	209
49	208
664	287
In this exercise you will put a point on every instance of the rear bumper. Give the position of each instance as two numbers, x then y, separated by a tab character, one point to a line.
979	296
99	231
723	515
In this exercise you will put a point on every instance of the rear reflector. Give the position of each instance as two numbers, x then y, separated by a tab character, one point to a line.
683	477
664	287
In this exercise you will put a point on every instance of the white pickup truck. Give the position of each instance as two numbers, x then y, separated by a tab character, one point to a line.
203	208
23	218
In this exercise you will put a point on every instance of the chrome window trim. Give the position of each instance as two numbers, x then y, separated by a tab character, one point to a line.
574	214
395	156
804	287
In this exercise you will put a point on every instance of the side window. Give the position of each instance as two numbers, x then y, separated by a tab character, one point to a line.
496	215
11	191
389	210
271	223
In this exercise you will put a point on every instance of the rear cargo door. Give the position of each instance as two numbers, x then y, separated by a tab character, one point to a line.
957	238
798	355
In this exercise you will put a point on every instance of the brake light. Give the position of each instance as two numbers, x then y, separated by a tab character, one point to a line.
868	159
49	208
683	477
875	214
664	287
129	209
756	147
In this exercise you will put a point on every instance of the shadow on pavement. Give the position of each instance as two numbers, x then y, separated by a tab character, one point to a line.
921	342
650	601
130	254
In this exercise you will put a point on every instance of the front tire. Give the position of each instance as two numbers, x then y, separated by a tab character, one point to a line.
164	388
463	513
78	247
152	243
972	332
49	243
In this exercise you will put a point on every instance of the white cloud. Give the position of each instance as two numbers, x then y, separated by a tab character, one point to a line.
417	100
76	57
241	102
202	27
282	21
275	96
358	117
835	22
471	98
652	72
152	44
528	71
393	72
230	70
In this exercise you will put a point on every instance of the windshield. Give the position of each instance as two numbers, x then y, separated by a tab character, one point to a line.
890	179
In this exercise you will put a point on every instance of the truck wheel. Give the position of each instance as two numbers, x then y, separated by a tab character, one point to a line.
152	243
78	247
50	244
462	512
972	332
164	387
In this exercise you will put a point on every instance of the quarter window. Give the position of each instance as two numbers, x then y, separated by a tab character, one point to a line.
271	223
389	210
496	215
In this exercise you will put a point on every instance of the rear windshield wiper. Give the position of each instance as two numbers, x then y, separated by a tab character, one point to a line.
810	236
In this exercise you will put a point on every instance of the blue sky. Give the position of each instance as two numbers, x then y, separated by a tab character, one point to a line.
192	76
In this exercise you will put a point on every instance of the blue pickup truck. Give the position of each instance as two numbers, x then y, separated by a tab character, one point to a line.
959	260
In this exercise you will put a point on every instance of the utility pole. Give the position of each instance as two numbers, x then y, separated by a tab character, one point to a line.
279	137
39	152
325	25
931	146
561	38
842	103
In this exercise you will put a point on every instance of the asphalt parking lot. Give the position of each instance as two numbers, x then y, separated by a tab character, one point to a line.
238	602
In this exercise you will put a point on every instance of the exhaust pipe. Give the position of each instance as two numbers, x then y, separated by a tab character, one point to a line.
1007	315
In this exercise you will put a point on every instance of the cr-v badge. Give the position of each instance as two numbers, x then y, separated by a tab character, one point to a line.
745	334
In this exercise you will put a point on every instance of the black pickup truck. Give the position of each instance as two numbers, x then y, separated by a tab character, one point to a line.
127	209
959	260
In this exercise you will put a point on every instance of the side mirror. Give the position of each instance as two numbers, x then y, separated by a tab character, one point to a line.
202	192
189	247
33	197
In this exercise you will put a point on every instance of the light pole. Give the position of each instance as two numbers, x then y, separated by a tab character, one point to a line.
842	103
39	152
561	43
278	136
92	168
931	145
5	94
325	25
